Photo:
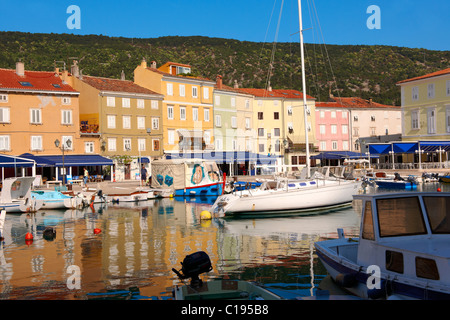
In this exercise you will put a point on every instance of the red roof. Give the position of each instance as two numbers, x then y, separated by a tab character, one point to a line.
33	81
275	93
352	102
430	75
107	84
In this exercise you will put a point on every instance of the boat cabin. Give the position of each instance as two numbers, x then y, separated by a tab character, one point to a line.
406	234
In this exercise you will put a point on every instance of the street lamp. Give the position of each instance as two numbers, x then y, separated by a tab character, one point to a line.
440	150
419	152
67	143
368	157
392	153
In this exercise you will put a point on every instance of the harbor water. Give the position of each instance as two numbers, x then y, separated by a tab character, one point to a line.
128	250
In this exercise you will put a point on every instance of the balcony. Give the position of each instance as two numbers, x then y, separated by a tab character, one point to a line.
87	129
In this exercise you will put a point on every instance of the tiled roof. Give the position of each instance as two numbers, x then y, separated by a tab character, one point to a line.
33	81
430	75
353	102
116	85
276	93
176	75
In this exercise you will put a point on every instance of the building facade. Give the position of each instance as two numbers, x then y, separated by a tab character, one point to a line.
332	127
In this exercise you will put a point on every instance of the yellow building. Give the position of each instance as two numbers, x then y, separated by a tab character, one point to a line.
125	118
187	108
426	107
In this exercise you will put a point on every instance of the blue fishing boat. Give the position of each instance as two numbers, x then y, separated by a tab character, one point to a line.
56	200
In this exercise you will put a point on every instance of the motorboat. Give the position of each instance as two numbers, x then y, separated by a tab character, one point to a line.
220	289
321	192
57	200
402	251
398	182
16	195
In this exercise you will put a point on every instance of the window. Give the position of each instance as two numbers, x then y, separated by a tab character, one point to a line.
438	214
194	114
141	122
141	103
289	110
170	89
394	261
322	114
260	132
415	93
344	129
171	136
277	146
344	114
233	122
233	101
356	132
126	122
65	145
206	114
194	92
88	147
323	145
431	91
248	120
141	144
206	93
400	217
234	144
276	115
66	117
368	230
182	113
155	104
111	101
260	116
344	145
415	119
276	132
355	118
431	117
447	117
373	131
111	121
248	144
126	144
4	143
3	98
261	147
65	100
207	137
56	85
36	143
182	89
448	88
372	118
247	102
35	116
218	120
334	145
219	144
170	112
4	115
25	84
333	129
217	100
333	114
322	129
112	144
155	123
426	268
125	102
260	103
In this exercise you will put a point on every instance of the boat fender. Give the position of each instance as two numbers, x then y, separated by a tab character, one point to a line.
380	293
346	280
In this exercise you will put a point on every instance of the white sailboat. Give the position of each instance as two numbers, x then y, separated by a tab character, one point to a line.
313	197
16	195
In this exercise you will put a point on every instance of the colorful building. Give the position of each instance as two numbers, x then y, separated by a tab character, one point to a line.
125	119
332	126
426	107
187	108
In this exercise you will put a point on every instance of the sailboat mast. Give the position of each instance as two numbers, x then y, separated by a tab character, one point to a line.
305	107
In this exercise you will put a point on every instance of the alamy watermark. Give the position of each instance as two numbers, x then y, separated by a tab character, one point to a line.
74	20
374	21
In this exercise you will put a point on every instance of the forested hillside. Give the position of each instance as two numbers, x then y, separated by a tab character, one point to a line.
365	71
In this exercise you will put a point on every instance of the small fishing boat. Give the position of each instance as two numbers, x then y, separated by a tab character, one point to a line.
197	263
445	178
402	251
16	195
398	182
57	200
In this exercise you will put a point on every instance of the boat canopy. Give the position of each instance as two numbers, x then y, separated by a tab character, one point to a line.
7	161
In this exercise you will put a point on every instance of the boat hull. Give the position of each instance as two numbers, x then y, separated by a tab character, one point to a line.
311	200
214	189
132	197
396	184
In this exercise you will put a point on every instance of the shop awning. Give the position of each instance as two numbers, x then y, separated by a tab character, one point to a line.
71	160
40	161
7	161
434	146
380	148
409	147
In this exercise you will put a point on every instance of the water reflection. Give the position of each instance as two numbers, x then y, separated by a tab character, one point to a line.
128	250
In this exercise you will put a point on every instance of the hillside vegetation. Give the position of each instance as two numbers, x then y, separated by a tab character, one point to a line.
359	70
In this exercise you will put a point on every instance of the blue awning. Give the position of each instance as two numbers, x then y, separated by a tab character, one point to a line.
433	146
405	147
409	147
144	160
7	161
71	160
380	148
40	161
225	156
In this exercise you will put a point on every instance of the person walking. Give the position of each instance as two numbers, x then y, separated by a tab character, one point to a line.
85	176
144	174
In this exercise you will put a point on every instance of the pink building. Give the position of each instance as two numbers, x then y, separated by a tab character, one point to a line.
332	126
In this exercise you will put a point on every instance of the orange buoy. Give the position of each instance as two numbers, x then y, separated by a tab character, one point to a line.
439	190
28	236
97	230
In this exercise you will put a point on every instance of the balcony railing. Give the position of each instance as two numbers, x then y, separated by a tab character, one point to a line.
86	128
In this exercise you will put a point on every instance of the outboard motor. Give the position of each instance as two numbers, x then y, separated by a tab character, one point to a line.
192	266
397	177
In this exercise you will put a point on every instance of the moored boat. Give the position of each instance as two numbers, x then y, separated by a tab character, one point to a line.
402	250
16	195
57	200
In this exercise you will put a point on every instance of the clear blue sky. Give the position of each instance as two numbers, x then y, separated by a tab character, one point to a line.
409	23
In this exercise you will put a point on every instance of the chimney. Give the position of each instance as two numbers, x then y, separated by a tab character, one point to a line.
20	69
269	87
153	65
219	82
57	71
236	86
75	70
122	75
144	63
329	93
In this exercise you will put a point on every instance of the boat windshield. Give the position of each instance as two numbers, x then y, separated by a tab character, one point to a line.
400	217
438	209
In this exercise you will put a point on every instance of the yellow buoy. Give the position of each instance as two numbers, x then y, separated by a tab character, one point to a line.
205	215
